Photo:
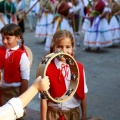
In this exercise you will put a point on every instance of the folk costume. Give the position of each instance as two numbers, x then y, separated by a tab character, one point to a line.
44	20
20	10
98	35
59	83
114	21
15	66
8	10
85	14
75	10
32	14
60	22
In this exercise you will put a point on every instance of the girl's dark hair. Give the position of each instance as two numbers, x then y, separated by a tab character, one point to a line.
12	30
59	35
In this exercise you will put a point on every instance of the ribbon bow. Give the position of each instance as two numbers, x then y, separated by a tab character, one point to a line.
9	53
64	70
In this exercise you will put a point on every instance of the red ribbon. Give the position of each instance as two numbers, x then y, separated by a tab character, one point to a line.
62	117
64	67
13	18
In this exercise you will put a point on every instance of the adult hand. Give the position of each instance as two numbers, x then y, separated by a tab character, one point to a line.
42	84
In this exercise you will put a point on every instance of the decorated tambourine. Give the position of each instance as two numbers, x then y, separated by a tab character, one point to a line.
42	68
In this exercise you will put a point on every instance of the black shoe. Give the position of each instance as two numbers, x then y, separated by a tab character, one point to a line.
97	49
87	49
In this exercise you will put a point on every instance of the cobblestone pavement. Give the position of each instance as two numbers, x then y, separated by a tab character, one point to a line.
102	76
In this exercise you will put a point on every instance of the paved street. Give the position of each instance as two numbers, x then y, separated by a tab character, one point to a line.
102	76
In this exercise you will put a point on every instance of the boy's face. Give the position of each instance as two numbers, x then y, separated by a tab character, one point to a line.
10	41
64	45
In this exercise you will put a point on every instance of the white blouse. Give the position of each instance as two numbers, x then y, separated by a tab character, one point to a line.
12	110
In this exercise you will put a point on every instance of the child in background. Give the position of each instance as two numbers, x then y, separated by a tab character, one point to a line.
69	110
14	63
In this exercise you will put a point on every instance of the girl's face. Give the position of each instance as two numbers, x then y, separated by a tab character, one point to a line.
64	45
10	41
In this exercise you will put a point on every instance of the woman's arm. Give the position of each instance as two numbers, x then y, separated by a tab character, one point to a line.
13	109
117	13
38	85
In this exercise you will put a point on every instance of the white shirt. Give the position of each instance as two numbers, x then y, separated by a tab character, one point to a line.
12	110
36	7
75	9
85	2
78	9
72	102
24	69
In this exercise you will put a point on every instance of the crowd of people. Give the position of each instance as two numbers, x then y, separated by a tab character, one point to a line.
98	19
59	23
101	25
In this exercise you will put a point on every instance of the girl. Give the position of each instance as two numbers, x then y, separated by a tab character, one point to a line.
61	21
7	10
114	21
44	20
14	63
69	110
98	34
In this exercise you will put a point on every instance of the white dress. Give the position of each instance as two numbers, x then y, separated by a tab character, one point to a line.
114	25
99	34
43	23
64	25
